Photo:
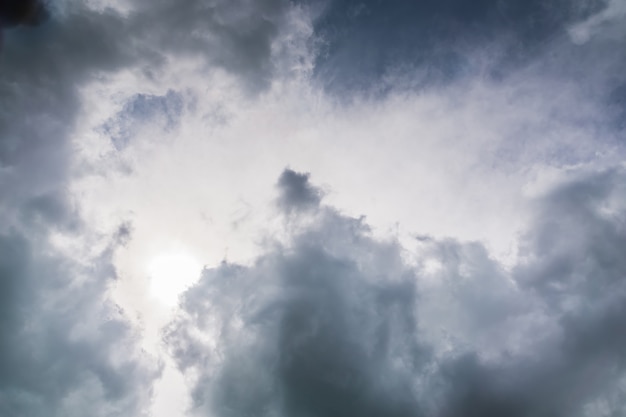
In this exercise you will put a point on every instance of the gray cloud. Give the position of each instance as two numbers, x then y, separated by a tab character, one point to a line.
327	324
437	42
296	193
335	323
22	12
236	36
43	70
64	349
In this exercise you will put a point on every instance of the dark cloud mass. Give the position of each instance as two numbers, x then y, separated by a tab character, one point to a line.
368	45
296	192
329	324
22	12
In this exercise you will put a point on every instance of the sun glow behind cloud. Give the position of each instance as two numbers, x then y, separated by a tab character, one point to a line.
170	274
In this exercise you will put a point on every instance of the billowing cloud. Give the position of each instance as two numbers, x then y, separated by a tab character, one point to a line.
573	268
236	36
65	349
286	335
44	69
337	323
296	193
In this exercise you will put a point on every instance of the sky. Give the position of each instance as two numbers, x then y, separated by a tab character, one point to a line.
313	208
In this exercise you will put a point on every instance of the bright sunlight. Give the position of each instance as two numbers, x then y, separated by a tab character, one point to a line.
171	274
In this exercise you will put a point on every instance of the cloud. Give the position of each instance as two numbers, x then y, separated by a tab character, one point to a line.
426	43
288	332
42	73
296	192
45	71
609	17
336	323
243	38
331	321
161	113
576	249
65	349
22	12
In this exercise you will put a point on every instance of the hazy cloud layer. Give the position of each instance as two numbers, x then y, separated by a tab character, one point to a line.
336	323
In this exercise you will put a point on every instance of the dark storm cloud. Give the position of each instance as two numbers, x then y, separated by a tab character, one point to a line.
328	325
22	12
367	43
296	192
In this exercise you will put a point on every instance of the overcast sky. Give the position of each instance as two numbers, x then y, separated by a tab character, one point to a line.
340	208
